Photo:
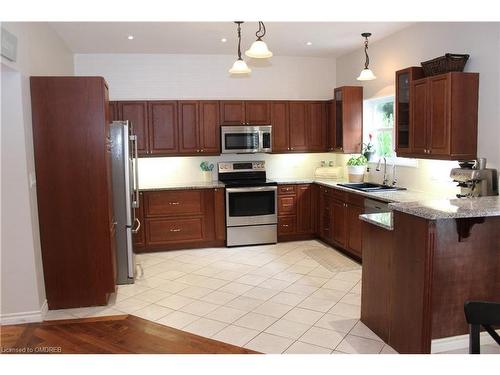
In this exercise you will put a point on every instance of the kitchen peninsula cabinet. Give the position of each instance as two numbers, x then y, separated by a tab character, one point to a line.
417	277
443	112
73	186
186	218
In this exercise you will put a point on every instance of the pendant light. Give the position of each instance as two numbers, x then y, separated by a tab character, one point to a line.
239	66
258	49
366	74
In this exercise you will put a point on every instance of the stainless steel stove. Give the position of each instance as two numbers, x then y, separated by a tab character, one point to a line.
251	203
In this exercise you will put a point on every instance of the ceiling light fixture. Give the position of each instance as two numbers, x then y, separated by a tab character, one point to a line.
130	37
366	74
308	43
258	49
239	66
223	40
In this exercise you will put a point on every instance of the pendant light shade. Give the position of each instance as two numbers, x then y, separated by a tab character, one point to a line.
258	49
366	74
239	66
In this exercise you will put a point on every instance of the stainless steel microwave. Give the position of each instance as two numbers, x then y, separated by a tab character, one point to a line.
246	139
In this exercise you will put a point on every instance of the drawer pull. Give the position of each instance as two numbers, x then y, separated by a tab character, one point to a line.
174	203
285	225
175	230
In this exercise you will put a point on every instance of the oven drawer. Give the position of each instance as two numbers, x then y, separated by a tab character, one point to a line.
286	224
165	231
287	205
173	202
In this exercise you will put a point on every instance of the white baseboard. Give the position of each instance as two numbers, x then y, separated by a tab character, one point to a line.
25	316
458	342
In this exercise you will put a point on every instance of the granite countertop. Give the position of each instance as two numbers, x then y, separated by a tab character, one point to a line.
381	219
457	208
185	185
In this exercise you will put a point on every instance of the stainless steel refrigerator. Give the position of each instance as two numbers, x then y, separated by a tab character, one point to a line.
125	197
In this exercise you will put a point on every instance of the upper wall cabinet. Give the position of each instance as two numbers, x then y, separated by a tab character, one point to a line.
199	127
249	112
280	122
345	120
163	127
403	79
442	117
137	113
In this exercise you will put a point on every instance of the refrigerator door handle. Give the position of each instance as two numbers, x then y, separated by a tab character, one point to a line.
135	156
138	223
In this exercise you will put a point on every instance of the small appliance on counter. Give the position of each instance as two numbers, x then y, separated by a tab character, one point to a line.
251	203
474	179
328	173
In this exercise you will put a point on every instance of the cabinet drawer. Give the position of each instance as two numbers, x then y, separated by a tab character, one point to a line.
286	224
287	205
173	202
338	194
165	231
356	199
287	189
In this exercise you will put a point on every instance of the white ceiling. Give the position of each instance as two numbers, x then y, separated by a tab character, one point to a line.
328	39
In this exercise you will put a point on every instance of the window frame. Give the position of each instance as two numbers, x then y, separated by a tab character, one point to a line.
368	127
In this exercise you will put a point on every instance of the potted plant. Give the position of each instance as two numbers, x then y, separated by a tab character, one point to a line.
206	171
367	149
356	166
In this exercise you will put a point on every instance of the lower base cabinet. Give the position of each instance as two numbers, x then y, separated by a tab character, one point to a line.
339	223
174	219
297	205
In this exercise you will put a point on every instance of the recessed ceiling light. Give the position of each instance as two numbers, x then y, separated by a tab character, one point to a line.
223	40
130	37
309	43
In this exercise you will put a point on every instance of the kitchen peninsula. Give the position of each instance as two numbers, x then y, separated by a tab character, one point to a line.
422	262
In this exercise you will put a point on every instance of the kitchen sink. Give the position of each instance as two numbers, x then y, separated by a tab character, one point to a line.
371	187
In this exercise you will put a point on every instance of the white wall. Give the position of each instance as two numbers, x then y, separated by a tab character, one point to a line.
40	52
163	76
422	42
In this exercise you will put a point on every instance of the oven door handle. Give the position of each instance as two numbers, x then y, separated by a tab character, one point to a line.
251	189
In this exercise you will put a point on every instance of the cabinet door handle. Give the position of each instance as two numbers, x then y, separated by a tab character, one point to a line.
174	203
175	230
284	225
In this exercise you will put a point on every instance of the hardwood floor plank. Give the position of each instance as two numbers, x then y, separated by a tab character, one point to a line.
116	334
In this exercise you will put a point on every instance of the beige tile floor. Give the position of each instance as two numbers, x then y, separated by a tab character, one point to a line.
294	297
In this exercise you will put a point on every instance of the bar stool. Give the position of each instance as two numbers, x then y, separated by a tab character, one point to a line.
481	313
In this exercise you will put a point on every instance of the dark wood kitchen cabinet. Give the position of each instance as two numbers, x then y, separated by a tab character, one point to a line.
163	129
325	215
281	130
338	221
113	111
297	211
316	126
191	218
199	129
75	207
137	113
298	126
443	117
354	208
248	112
403	107
346	120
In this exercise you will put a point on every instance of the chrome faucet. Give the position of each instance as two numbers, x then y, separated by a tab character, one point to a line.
394	177
384	182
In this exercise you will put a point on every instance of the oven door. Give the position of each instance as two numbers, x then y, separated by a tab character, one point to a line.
251	206
240	139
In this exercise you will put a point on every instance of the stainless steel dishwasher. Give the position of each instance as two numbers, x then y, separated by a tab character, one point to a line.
374	206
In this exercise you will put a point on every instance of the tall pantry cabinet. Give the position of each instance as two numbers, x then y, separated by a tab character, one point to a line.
71	117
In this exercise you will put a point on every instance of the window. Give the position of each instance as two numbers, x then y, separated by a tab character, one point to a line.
378	122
